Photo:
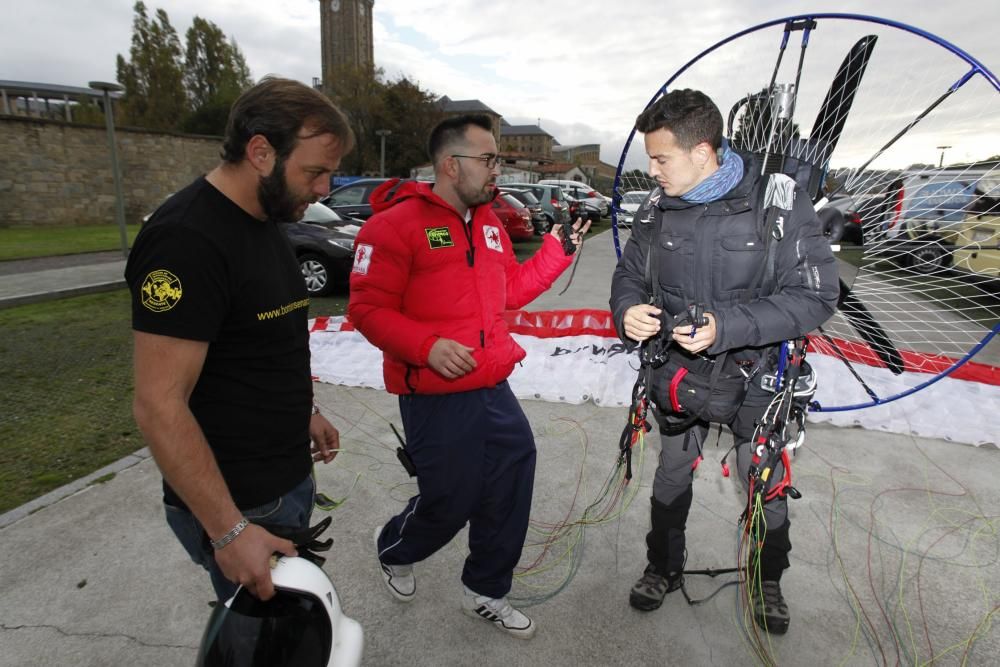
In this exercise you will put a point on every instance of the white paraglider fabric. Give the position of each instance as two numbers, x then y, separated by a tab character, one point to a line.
574	356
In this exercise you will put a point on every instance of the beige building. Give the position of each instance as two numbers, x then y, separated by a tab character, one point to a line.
527	140
587	158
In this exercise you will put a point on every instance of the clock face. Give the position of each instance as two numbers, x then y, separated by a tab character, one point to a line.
335	5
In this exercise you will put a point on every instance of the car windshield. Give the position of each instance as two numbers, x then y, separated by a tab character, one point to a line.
347	196
634	197
512	200
527	197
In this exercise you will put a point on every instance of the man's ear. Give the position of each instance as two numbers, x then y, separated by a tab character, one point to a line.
449	167
704	155
260	154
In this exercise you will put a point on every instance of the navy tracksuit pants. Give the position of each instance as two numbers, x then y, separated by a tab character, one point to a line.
474	453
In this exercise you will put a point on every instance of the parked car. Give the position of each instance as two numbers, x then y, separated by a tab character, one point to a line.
592	199
853	232
322	215
841	222
515	216
530	201
978	246
578	208
630	203
916	219
352	200
323	242
324	247
552	199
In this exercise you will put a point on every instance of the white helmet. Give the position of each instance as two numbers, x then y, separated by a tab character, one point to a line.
301	625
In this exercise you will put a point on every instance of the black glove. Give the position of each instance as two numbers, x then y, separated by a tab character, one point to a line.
305	539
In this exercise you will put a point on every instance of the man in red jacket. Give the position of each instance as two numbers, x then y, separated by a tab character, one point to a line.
433	273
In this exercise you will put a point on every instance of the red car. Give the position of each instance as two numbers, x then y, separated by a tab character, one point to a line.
515	216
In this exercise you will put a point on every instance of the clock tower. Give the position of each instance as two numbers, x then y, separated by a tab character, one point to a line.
346	34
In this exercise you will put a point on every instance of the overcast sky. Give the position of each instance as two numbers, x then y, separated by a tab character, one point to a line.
584	69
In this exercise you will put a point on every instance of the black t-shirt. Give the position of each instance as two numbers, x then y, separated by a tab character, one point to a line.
203	269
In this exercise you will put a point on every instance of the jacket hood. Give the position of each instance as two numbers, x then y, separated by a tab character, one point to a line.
396	190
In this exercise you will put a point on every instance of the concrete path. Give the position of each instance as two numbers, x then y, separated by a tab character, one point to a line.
896	557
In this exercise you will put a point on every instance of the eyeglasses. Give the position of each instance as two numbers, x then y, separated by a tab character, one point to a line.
491	159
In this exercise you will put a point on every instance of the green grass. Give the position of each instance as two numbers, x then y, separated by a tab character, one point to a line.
65	409
66	405
525	249
30	242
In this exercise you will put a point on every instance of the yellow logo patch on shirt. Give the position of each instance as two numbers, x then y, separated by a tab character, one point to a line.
161	290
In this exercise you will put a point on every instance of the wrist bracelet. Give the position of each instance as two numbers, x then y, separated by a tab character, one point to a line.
315	409
231	535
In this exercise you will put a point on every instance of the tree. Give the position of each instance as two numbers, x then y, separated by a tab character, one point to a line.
153	76
358	92
215	73
410	113
371	104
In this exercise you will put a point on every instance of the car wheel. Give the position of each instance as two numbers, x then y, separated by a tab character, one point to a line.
833	224
549	222
928	258
318	274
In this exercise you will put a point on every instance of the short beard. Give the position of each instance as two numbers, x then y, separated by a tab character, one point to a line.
473	197
274	196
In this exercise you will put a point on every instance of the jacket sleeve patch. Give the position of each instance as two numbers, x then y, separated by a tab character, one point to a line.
362	258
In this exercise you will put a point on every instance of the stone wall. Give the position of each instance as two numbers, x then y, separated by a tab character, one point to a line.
57	173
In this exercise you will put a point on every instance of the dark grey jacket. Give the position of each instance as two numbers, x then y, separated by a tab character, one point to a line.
710	253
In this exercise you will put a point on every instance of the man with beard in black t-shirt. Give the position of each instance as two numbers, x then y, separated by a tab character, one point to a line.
223	390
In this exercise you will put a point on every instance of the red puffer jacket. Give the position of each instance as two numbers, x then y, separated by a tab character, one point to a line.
415	280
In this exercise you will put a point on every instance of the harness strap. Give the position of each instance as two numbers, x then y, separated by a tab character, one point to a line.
674	384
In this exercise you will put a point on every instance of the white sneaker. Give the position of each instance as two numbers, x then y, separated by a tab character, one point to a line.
498	612
398	578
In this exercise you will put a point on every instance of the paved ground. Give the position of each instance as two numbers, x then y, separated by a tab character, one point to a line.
32	280
13	267
896	558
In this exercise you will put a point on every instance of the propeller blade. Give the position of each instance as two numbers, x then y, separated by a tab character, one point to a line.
869	330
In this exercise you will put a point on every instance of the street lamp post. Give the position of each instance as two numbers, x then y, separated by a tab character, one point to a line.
941	161
382	134
109	122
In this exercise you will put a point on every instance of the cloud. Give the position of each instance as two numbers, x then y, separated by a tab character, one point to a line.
585	68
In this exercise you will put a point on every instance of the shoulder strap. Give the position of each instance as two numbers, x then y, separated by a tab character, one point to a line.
652	271
777	200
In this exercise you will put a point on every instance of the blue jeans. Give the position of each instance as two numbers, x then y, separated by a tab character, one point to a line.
292	509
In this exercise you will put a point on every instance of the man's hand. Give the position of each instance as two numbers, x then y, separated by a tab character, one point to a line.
579	230
701	340
247	559
450	358
325	439
641	322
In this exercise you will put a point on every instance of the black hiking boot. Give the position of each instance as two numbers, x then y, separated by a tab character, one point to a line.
769	608
647	594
